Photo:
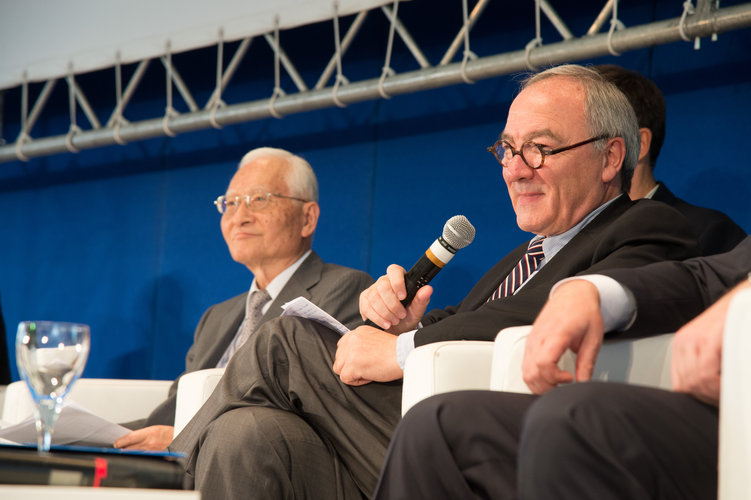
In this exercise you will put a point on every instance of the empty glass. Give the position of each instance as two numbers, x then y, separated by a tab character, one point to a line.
50	356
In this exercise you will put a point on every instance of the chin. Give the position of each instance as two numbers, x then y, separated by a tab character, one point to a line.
529	225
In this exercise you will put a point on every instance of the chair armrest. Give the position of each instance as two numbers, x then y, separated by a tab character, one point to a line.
735	402
193	389
644	361
444	367
117	400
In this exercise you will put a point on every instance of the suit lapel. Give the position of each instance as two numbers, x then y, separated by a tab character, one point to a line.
299	285
226	330
581	246
492	279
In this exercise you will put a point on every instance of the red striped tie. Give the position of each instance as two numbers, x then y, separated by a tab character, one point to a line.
526	266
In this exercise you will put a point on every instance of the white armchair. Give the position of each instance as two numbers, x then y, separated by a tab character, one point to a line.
735	402
120	400
117	400
192	390
463	365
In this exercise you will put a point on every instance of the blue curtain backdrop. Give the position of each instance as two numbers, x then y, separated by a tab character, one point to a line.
127	240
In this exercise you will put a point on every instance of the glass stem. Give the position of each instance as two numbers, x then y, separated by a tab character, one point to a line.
49	409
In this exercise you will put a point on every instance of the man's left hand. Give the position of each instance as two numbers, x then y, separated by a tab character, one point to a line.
367	354
154	438
571	319
697	354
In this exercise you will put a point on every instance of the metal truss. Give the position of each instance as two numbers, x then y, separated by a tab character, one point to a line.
704	20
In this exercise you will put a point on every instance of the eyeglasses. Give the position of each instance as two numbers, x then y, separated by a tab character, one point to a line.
533	154
255	201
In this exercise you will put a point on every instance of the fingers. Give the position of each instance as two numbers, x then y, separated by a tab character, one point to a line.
695	369
696	364
540	369
416	308
380	303
677	366
346	359
128	440
586	355
155	438
571	319
395	274
366	354
341	347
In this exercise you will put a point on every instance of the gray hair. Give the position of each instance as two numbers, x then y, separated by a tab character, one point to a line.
300	178
606	110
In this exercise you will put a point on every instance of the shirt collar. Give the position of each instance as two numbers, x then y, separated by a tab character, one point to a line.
652	192
274	288
553	244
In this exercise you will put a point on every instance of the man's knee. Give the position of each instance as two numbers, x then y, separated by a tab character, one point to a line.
567	415
257	427
293	334
271	449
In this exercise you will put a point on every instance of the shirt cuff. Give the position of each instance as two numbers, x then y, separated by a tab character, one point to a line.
405	344
617	303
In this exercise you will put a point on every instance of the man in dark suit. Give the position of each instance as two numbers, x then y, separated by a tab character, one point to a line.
587	440
4	360
566	168
715	231
269	214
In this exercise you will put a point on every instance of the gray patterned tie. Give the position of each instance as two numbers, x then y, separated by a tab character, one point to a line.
253	314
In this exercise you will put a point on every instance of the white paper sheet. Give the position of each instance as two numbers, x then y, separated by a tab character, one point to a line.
75	425
304	308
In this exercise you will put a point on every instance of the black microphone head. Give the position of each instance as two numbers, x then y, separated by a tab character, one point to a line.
458	232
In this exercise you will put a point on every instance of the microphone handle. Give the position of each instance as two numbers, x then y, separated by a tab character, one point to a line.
420	275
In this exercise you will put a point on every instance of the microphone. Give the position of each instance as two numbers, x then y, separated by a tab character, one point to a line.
458	232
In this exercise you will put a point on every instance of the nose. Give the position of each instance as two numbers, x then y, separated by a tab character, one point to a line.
517	169
243	214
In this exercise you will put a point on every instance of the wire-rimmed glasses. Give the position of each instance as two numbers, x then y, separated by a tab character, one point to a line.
255	201
532	154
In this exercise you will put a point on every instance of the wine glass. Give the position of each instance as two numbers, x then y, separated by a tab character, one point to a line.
50	356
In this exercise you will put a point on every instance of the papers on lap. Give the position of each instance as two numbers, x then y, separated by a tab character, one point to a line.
304	308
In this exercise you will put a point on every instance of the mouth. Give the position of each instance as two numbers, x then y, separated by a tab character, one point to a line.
245	236
530	197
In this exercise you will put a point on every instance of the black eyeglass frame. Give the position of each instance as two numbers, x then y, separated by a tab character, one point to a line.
544	151
221	201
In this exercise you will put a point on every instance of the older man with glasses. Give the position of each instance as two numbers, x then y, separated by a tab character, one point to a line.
269	214
568	150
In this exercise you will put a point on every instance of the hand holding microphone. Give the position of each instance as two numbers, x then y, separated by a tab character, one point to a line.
381	303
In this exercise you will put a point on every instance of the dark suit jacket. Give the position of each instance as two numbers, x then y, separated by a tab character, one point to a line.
669	294
715	231
625	234
4	360
333	288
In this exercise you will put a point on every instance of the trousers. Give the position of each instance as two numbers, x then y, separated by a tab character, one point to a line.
280	423
599	441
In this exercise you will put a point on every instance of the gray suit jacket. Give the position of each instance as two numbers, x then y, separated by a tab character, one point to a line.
335	289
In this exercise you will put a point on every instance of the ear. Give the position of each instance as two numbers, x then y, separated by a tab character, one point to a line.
615	153
310	213
645	136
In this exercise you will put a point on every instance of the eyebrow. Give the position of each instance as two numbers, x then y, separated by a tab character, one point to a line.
547	133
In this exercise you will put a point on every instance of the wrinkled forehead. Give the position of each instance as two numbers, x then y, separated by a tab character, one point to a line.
552	108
